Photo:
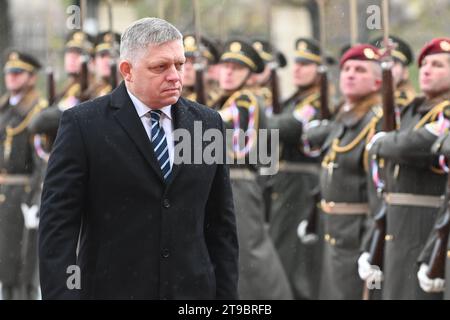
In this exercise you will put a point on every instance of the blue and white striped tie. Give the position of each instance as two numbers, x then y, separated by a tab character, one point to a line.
159	143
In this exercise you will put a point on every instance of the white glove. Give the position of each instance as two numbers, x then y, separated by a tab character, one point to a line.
374	139
30	216
368	272
226	114
303	236
427	284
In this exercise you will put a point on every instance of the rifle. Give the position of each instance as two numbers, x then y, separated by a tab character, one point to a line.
274	87
51	94
199	63
377	245
113	63
436	264
51	88
324	112
84	73
323	69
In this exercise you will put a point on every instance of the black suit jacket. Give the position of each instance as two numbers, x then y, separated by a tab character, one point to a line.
139	237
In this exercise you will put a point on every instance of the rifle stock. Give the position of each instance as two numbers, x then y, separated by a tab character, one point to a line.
200	86
311	228
438	256
324	110
84	75
113	76
377	245
276	107
51	94
387	91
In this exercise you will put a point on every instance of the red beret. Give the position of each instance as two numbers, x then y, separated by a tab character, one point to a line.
437	45
364	52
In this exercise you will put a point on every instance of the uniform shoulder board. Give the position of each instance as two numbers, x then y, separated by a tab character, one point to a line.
378	111
244	98
42	103
447	110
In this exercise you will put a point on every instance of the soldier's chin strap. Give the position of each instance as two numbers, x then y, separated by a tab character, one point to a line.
243	83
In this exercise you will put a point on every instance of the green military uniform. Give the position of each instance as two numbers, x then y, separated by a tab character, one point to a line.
18	170
343	184
345	197
261	275
441	146
413	189
292	196
293	199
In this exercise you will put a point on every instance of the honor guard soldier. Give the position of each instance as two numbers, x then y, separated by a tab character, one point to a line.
343	177
403	57
266	83
18	168
261	273
292	197
414	182
76	59
434	271
207	53
106	53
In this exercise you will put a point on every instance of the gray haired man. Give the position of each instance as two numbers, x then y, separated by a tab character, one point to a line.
147	227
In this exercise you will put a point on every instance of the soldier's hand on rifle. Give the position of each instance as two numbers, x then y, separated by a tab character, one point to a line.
375	138
226	114
427	284
306	238
30	216
368	272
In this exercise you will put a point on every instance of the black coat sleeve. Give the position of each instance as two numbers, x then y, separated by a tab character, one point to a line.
220	232
61	210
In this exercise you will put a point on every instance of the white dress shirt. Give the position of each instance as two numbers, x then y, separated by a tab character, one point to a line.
165	120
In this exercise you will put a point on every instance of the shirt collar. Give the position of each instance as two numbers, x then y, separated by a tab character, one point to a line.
143	109
14	100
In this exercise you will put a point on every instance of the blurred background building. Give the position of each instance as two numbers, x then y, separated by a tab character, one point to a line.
40	26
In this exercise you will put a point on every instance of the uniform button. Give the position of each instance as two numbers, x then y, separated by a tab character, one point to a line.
333	241
166	203
165	253
2	198
388	237
448	254
327	237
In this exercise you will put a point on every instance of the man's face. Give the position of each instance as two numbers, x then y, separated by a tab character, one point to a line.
156	77
72	62
213	72
399	73
232	75
304	73
16	82
358	79
103	64
434	75
189	73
